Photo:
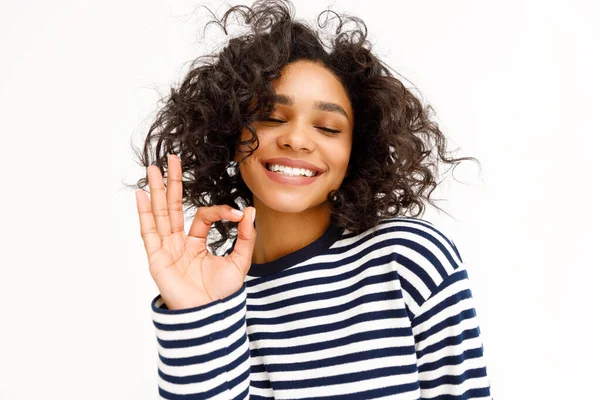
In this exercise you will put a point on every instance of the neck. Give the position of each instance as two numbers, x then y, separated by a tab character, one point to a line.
279	234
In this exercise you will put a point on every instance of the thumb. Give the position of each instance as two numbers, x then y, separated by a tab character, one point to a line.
244	245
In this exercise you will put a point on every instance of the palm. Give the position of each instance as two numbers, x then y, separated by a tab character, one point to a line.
186	274
198	279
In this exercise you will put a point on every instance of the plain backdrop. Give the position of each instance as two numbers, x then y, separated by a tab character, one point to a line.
513	83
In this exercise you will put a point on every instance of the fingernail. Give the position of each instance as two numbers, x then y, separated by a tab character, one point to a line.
237	212
253	214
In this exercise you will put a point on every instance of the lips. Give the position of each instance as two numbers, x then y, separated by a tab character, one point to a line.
292	163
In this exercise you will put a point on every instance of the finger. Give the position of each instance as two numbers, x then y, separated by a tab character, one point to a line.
244	245
205	216
158	201
148	230
174	193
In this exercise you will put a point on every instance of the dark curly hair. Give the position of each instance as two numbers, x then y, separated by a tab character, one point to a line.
392	165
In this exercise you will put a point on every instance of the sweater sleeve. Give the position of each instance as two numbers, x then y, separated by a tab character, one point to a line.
203	352
447	339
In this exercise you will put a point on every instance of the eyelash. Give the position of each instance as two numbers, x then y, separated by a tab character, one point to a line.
318	127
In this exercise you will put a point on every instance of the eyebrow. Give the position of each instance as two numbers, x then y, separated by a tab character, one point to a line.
318	105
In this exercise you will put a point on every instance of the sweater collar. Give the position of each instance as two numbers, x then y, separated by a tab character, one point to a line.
320	245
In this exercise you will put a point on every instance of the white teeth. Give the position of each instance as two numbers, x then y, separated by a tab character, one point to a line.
291	171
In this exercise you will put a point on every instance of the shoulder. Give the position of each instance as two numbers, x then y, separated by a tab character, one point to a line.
410	235
424	256
420	236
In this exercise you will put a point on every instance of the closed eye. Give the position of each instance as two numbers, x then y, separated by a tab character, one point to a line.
279	121
328	129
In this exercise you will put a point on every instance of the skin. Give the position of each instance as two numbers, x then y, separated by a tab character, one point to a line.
290	217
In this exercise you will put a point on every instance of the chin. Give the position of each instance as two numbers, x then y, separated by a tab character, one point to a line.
289	204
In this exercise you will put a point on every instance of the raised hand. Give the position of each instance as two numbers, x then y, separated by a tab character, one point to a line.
184	271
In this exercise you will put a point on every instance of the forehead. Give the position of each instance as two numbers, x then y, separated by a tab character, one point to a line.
309	82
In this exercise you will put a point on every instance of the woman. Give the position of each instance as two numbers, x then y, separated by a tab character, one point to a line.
331	288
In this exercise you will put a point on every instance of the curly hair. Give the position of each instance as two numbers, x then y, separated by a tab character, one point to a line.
392	165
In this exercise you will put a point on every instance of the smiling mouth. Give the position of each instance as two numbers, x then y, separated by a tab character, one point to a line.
303	173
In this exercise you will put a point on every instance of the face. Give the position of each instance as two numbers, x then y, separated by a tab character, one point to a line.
312	123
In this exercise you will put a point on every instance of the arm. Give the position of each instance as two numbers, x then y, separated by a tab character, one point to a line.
203	351
202	343
448	344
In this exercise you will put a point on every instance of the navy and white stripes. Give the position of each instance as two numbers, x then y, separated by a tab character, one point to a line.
385	314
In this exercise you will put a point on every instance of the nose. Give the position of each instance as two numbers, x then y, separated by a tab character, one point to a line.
296	136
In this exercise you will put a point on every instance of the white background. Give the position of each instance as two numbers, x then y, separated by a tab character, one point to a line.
514	84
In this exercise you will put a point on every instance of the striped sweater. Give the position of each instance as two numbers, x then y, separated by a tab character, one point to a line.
384	314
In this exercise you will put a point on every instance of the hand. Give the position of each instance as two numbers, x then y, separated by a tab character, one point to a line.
186	274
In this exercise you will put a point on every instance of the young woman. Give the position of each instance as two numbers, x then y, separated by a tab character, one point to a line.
325	285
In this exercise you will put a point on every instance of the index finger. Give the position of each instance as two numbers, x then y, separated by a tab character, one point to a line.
205	216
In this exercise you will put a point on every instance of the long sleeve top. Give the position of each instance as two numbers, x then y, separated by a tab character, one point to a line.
384	314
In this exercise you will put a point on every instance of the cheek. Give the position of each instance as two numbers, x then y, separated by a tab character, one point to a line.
342	158
245	135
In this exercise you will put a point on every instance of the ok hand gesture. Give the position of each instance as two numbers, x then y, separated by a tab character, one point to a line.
186	274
